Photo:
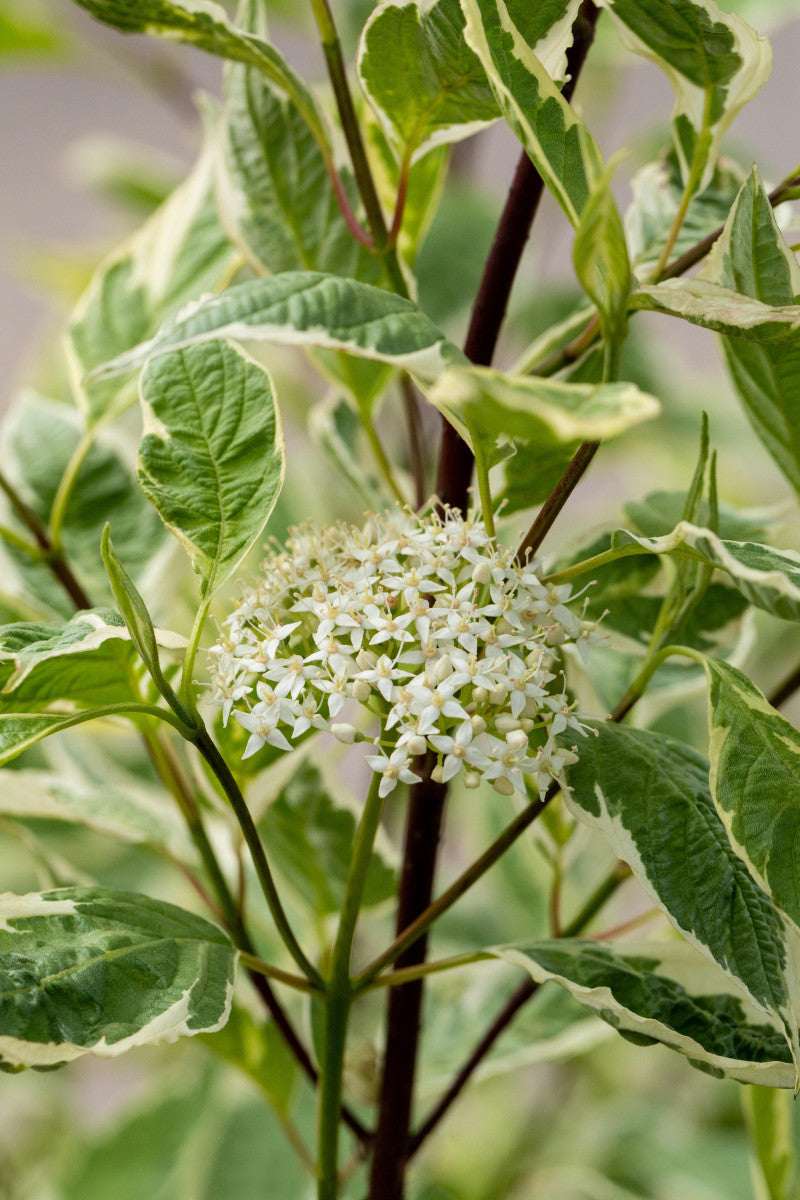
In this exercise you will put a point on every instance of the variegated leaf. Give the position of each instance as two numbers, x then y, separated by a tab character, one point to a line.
90	970
713	306
755	781
770	579
666	992
649	796
556	140
753	258
307	308
180	253
492	409
715	62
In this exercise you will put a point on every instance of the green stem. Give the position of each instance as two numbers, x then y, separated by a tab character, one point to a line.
482	475
257	965
699	159
65	486
19	543
126	708
457	889
603	892
220	768
337	72
592	564
339	996
639	685
381	458
185	690
422	970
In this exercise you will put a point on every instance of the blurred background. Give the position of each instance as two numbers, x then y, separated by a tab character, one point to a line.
96	130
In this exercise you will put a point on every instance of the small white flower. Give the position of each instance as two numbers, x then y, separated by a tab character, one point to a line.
393	770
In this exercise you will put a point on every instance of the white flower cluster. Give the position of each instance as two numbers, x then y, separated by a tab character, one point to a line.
421	622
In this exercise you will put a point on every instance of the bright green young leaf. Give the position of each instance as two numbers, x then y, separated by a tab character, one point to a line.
559	145
713	306
89	970
180	253
491	409
752	258
132	812
309	828
648	795
600	255
666	992
770	579
755	781
425	84
20	731
39	438
715	62
657	191
206	25
274	189
308	308
211	459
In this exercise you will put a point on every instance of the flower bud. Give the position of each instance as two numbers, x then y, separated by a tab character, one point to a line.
478	724
505	723
416	745
480	695
471	779
437	774
361	690
516	739
482	572
503	785
344	732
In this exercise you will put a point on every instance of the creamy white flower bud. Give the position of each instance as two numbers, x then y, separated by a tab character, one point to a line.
471	779
361	691
478	724
526	723
498	694
505	723
504	786
437	774
516	739
365	660
482	572
480	695
416	745
344	732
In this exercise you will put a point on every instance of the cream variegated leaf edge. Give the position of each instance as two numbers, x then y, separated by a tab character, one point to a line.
73	925
306	308
770	579
567	158
551	49
690	99
648	795
683	977
486	405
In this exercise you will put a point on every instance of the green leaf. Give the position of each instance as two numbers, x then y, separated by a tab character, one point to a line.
425	84
649	797
491	409
211	459
40	437
207	26
752	258
666	992
770	579
309	827
130	813
715	62
712	306
28	34
134	611
600	255
557	142
755	781
310	309
89	970
274	188
180	253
